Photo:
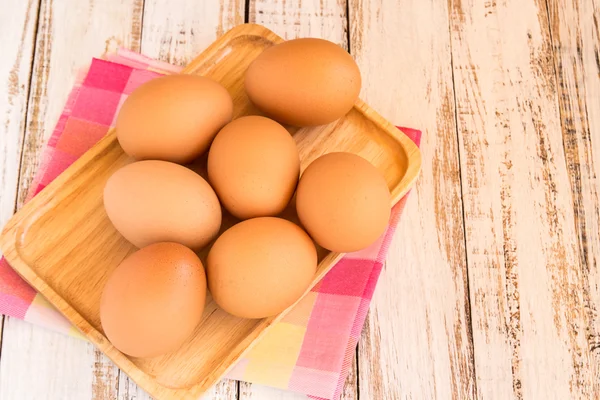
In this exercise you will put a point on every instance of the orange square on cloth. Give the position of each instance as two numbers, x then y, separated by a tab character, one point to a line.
79	136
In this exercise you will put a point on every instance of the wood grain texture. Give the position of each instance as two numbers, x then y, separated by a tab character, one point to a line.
417	340
63	244
177	31
258	392
128	390
527	289
17	30
51	366
61	49
17	33
291	19
575	32
325	19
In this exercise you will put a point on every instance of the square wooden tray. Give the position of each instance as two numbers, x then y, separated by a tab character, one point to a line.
63	244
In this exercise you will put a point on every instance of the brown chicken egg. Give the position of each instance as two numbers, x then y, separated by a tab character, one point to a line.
304	82
260	267
158	201
173	118
343	202
153	300
253	165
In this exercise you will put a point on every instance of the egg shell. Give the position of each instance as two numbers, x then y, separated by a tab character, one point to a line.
343	202
304	82
158	201
173	118
153	300
260	267
254	166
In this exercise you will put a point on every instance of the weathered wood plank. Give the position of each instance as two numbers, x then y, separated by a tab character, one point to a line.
575	32
417	341
350	389
177	31
17	30
69	33
525	274
325	19
259	392
40	364
128	390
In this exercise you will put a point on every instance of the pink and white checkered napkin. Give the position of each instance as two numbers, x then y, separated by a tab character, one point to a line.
311	349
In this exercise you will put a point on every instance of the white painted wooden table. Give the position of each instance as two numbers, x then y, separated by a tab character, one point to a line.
492	286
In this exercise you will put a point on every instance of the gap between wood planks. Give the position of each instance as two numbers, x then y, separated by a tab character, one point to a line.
22	131
464	217
577	124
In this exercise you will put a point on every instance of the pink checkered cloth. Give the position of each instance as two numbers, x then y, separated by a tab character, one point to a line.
311	349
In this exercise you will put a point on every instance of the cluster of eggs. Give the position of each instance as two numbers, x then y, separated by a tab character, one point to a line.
261	265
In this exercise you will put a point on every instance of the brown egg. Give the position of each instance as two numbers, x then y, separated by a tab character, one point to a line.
260	267
343	201
153	300
158	201
253	165
173	118
304	82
